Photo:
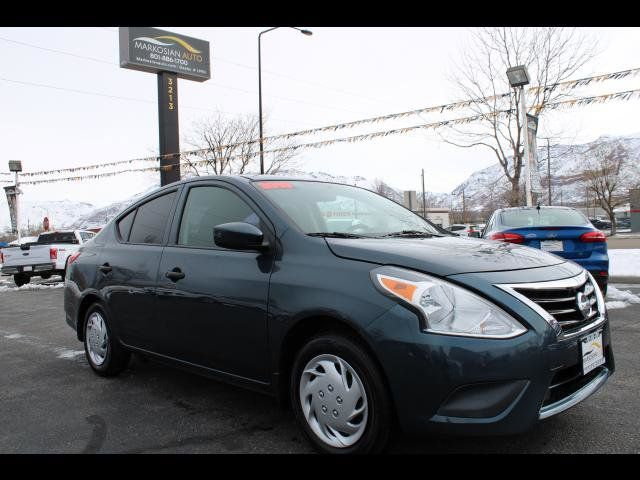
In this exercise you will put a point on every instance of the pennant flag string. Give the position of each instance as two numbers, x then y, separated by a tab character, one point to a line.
626	95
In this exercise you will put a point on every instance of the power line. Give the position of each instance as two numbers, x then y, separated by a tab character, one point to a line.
208	84
118	97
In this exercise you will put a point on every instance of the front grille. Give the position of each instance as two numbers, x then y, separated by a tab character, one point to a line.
562	303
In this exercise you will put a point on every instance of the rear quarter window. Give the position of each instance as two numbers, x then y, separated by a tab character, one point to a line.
124	225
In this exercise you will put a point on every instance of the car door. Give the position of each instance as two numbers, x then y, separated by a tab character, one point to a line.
128	266
216	314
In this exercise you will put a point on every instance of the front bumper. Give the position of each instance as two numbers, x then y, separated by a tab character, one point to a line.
471	386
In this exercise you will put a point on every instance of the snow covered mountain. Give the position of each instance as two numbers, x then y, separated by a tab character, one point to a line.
60	213
483	188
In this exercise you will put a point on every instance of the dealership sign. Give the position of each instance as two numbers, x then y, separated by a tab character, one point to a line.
153	50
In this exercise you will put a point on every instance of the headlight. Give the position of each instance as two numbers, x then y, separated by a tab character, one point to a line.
446	308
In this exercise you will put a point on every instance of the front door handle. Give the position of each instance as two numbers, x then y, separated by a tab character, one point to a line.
105	268
174	275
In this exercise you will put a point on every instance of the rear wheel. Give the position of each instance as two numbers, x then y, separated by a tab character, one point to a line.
103	351
64	272
339	396
21	279
603	287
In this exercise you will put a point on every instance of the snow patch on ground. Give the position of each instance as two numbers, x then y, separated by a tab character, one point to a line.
616	304
29	286
68	354
13	336
620	298
624	262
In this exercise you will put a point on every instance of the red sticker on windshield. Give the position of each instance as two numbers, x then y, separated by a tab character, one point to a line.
275	185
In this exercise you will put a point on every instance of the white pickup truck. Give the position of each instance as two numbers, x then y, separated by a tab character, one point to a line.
45	257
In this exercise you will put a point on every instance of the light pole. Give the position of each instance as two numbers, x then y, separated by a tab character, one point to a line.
519	77
305	32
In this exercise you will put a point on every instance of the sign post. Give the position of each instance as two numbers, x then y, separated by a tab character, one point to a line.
168	127
170	56
12	197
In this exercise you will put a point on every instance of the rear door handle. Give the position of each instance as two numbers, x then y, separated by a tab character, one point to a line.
106	268
174	275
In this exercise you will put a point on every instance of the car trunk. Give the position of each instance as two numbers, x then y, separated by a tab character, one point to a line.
562	241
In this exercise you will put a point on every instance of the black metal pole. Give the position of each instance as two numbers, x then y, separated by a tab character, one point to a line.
306	32
260	105
169	132
424	204
549	170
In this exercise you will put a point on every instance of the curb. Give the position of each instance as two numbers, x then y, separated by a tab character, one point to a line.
622	279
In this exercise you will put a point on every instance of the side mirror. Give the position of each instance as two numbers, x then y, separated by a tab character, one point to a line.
239	236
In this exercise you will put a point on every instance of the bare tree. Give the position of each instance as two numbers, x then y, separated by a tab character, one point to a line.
383	189
231	146
551	55
607	177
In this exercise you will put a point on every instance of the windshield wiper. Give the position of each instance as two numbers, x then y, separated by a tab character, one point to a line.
412	234
335	235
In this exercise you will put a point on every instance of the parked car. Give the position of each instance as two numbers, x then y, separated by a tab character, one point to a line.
465	229
564	231
623	222
600	224
22	241
386	321
45	257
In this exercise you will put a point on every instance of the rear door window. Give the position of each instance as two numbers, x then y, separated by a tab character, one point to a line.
151	220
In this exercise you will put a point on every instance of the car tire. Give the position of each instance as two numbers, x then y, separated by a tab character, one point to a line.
64	272
337	401
102	349
21	279
603	288
45	276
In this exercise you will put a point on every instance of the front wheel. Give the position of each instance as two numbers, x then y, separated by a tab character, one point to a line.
339	396
104	353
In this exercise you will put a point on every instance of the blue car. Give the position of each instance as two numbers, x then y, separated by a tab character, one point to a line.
563	231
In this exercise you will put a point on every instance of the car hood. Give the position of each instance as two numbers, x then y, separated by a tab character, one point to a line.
443	255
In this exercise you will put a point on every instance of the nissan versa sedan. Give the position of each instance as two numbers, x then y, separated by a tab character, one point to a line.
354	311
563	231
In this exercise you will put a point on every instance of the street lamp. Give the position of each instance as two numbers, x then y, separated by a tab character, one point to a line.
305	32
519	77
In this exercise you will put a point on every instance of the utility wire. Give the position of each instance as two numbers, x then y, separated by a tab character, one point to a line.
208	84
129	99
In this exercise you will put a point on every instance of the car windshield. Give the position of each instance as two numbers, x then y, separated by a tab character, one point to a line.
544	217
343	210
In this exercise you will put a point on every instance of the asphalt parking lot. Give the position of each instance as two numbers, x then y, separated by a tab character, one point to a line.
51	402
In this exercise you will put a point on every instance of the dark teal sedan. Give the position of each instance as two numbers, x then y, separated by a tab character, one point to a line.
353	311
